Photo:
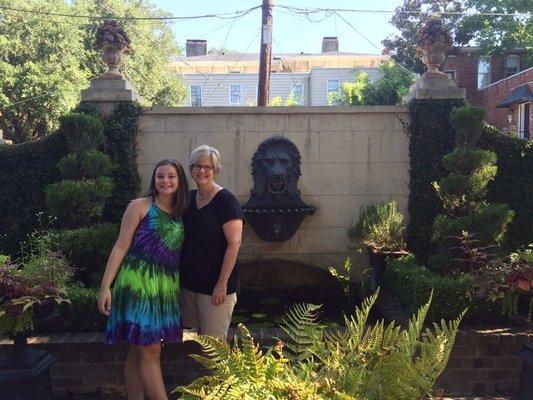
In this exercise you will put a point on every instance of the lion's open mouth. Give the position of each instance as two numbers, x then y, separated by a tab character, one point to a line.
276	185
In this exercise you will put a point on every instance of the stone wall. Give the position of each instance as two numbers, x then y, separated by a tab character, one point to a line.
482	362
351	156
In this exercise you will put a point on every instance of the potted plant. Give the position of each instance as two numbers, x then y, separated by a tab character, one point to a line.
36	283
381	230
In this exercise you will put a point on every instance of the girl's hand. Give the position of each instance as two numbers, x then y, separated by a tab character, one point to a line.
104	301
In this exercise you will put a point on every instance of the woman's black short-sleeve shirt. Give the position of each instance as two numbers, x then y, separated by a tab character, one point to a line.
205	244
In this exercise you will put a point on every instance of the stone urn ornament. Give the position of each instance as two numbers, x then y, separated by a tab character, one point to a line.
113	43
434	43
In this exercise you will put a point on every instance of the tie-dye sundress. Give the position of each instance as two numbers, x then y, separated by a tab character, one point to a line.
145	306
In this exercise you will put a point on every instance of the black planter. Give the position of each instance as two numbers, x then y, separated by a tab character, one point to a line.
525	387
378	262
25	373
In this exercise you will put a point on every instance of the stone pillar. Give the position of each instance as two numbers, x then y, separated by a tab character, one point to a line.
434	43
111	87
105	93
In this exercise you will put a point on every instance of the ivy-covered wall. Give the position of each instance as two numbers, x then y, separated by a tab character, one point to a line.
431	137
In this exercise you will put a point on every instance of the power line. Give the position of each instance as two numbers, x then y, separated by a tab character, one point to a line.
230	15
306	12
28	99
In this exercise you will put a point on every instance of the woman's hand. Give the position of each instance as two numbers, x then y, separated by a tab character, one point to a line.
104	301
219	293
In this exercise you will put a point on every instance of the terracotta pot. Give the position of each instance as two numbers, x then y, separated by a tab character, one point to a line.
378	261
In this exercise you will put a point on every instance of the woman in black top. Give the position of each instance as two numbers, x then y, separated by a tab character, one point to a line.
213	232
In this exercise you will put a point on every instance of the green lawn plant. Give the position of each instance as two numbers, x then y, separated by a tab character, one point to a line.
359	362
380	227
464	190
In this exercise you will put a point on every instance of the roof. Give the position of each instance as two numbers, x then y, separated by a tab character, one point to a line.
522	94
255	56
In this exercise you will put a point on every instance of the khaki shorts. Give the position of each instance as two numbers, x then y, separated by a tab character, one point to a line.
199	312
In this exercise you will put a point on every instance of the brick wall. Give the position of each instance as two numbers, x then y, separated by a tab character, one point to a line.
482	362
493	94
465	64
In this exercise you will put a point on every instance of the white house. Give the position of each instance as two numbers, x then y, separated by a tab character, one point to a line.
232	79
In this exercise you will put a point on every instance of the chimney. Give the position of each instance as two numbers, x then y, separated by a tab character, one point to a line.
195	47
330	43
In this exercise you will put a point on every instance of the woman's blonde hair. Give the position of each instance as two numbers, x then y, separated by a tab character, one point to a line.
205	151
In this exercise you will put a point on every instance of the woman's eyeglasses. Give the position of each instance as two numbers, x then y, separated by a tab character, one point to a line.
206	168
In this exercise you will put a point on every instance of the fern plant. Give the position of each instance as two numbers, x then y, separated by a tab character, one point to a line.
359	362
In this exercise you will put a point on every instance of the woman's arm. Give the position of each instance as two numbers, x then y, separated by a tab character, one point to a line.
130	221
233	233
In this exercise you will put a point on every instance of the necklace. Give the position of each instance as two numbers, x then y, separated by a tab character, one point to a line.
207	196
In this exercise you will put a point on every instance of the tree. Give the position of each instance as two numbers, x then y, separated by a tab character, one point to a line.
492	33
52	59
388	90
495	33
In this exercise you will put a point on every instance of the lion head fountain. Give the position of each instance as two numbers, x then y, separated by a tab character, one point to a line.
275	209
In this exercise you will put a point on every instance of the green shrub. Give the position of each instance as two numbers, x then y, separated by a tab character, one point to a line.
513	183
463	191
78	203
82	314
25	169
82	131
380	227
88	249
411	283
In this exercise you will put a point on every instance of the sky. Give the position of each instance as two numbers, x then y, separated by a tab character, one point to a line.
291	33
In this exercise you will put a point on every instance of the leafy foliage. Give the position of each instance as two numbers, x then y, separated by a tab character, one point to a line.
52	59
360	362
40	278
79	199
380	227
463	191
388	90
492	34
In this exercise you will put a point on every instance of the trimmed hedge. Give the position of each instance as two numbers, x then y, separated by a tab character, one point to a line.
513	183
25	170
412	285
431	137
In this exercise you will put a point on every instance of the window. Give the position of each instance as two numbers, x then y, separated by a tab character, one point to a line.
450	73
512	65
297	90
523	120
235	94
334	90
196	96
483	72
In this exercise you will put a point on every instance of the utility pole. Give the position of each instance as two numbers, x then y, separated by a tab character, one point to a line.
265	55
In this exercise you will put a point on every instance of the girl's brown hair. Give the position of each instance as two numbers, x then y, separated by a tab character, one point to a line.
181	198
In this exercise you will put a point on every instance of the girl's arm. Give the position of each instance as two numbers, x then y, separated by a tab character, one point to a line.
133	215
233	233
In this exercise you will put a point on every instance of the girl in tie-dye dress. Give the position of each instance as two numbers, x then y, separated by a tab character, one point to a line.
144	306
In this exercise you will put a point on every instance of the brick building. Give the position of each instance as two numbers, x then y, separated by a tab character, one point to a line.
496	80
